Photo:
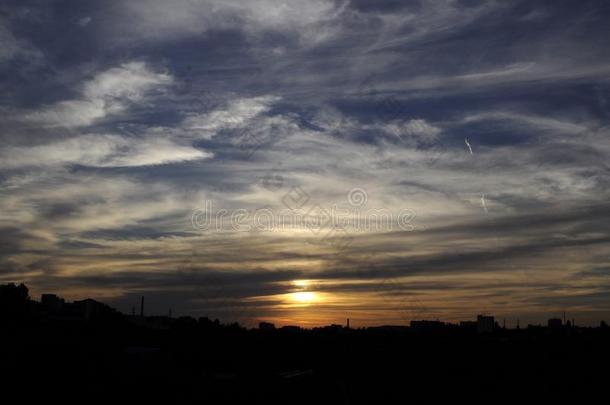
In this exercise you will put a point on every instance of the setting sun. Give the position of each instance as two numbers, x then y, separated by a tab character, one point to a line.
303	297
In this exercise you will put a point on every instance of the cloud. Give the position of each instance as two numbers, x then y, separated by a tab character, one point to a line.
8	43
238	113
531	121
417	128
101	151
311	21
12	47
107	93
84	21
103	159
513	74
68	204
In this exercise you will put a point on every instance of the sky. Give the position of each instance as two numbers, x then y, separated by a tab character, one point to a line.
304	162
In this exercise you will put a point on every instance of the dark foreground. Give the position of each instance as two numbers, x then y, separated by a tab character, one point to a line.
113	358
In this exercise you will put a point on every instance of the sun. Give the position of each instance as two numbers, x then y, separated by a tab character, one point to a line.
302	294
303	297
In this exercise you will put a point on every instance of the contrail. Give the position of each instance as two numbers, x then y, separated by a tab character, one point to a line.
483	203
468	144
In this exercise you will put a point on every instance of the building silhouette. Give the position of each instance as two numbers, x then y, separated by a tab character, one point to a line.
485	324
266	326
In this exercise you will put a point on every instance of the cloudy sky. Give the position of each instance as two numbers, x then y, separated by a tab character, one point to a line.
303	162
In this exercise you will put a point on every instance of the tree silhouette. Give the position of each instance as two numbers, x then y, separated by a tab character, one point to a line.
15	303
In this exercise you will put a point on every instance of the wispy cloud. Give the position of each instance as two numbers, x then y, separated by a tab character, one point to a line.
486	119
107	93
99	150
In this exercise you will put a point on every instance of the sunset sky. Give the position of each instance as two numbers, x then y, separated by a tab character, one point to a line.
304	162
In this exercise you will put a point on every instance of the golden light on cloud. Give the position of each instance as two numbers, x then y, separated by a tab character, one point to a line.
301	283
